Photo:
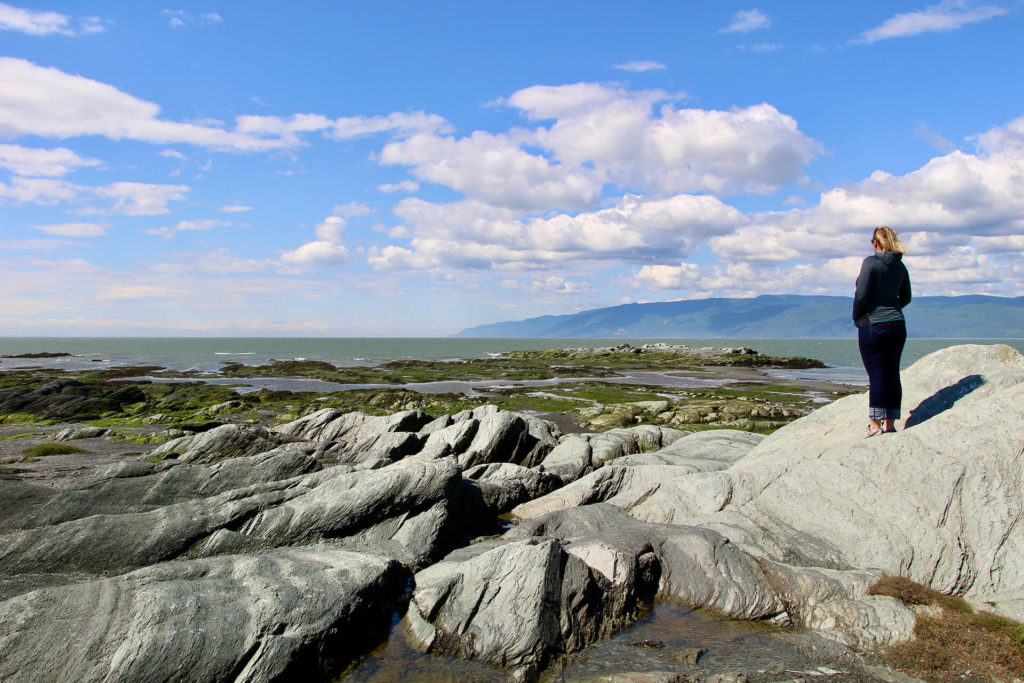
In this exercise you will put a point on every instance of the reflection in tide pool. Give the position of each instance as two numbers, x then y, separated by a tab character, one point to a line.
729	646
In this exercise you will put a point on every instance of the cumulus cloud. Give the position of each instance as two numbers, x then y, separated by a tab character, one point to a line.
475	235
639	66
46	23
320	253
945	16
328	249
603	134
673	150
494	168
169	231
235	208
746	21
33	161
72	229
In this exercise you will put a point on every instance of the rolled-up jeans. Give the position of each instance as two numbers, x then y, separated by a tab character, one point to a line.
881	345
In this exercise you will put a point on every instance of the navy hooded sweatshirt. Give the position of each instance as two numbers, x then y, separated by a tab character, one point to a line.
883	289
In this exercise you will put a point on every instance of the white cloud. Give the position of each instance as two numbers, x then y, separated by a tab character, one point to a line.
746	21
320	253
552	284
328	249
494	168
168	231
45	23
132	199
139	199
350	210
47	102
677	150
945	16
34	161
235	208
475	235
72	229
330	229
403	186
639	66
39	191
604	134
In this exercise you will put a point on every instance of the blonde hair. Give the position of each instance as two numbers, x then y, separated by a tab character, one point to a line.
888	240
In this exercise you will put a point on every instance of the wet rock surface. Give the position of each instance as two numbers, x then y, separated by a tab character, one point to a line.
253	552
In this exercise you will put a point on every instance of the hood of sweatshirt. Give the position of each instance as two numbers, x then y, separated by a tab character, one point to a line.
890	258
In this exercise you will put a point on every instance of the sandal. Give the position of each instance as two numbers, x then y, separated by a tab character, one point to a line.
872	431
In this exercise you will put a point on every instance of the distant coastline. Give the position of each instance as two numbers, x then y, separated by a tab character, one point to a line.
787	316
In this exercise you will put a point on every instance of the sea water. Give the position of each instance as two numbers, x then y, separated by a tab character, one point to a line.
209	354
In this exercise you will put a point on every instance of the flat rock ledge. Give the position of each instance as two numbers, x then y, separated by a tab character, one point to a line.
253	554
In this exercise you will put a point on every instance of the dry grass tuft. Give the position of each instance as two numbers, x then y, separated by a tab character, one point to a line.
910	593
956	642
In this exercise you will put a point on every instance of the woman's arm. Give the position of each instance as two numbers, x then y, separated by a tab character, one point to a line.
860	297
905	296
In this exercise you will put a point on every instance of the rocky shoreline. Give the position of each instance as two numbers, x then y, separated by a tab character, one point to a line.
279	535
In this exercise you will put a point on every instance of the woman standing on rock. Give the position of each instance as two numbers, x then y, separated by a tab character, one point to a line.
883	289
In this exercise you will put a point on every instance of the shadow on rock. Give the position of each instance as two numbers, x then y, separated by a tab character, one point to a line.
944	399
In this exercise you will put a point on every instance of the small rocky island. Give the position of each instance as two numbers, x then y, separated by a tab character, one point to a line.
203	534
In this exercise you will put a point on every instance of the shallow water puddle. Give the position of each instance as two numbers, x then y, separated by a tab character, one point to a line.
728	646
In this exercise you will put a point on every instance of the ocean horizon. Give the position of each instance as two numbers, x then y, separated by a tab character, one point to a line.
209	354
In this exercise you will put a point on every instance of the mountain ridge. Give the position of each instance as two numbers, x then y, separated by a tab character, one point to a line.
768	316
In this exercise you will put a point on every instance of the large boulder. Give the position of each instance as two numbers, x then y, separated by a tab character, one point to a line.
577	454
278	615
627	480
404	510
225	441
139	486
512	605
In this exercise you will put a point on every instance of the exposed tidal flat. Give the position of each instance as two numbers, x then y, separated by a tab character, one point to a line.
650	512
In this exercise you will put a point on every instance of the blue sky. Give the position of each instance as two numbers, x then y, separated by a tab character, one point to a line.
413	168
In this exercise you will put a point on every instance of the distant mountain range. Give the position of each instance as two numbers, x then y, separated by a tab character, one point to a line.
770	316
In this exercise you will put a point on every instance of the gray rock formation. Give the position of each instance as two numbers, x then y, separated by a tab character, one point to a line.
578	454
502	486
138	486
555	584
262	617
73	433
403	510
226	441
626	480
